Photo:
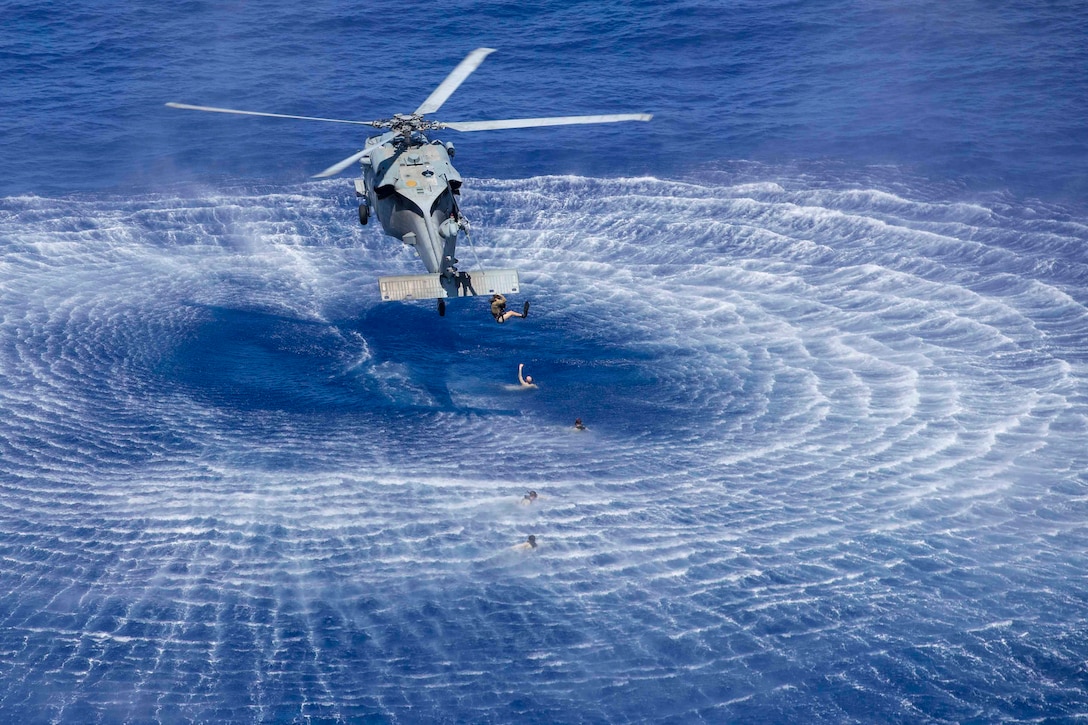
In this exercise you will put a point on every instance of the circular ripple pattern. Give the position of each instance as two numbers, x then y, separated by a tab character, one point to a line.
834	470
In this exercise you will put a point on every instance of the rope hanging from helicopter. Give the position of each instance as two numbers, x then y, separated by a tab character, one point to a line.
463	223
471	246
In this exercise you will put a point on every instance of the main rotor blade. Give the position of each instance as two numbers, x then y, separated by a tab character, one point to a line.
212	109
553	121
341	165
453	80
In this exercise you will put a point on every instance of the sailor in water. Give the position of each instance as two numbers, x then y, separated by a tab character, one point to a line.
579	425
528	498
528	544
525	380
499	311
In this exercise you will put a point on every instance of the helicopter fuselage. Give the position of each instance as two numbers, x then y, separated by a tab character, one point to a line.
410	184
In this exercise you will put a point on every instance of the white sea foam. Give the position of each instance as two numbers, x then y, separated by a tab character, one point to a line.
813	412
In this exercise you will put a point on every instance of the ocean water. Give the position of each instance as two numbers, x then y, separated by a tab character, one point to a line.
824	316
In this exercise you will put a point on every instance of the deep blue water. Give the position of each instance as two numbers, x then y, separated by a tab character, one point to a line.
825	317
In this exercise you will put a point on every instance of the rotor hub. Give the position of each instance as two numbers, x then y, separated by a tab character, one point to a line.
407	123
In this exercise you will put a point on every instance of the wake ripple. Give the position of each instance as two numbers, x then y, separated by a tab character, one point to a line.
834	471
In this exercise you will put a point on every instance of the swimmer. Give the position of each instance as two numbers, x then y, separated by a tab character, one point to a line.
529	543
525	380
528	498
499	311
578	424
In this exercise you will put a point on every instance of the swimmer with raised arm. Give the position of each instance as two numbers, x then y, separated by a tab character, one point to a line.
525	380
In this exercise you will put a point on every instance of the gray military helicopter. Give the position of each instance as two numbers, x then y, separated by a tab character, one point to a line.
410	183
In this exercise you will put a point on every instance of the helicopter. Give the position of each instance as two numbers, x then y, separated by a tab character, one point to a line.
409	183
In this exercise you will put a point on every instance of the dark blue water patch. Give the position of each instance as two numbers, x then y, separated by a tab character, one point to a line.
260	360
252	360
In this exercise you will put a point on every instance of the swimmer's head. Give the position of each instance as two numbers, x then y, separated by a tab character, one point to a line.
528	378
532	494
532	541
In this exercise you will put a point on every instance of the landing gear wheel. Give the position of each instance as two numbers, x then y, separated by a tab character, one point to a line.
441	308
364	214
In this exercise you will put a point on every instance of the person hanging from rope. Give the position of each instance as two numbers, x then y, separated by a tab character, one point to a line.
499	311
